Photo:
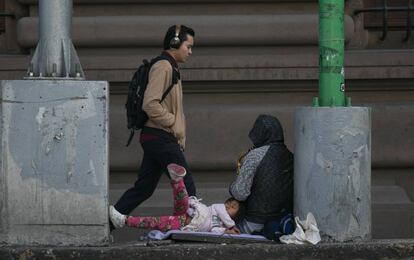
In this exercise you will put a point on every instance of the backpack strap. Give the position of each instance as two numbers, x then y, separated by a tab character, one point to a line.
131	135
166	92
175	74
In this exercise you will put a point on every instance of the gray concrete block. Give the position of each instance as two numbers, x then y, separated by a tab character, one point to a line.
333	170
54	163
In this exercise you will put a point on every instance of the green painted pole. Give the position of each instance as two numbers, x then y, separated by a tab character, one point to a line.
331	53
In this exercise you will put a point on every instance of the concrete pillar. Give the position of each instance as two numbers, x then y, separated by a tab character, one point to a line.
54	162
333	170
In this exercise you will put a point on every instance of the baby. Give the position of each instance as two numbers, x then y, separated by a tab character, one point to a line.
189	213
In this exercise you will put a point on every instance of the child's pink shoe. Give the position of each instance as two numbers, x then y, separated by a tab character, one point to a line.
176	171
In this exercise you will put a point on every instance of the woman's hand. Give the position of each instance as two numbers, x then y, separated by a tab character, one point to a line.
232	230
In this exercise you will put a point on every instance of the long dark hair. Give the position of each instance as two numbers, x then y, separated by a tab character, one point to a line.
241	158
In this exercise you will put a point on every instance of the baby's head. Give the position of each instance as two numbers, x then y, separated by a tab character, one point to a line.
234	208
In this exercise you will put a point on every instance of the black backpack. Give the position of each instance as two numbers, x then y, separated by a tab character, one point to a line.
136	116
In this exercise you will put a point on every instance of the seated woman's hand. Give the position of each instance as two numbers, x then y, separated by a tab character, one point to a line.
232	230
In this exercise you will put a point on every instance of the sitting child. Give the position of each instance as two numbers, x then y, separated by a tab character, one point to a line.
189	213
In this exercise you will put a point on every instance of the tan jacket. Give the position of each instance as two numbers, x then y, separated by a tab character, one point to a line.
168	115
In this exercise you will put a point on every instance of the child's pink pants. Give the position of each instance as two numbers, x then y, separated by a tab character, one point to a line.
165	223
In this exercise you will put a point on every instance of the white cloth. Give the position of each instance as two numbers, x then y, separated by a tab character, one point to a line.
205	219
306	232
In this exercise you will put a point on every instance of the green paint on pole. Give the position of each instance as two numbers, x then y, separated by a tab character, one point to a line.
331	53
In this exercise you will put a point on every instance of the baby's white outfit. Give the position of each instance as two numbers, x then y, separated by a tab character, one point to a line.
208	219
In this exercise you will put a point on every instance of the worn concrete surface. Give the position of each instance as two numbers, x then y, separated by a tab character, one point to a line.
54	162
377	249
333	170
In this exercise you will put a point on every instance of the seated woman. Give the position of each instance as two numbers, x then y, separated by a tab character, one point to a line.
189	213
265	177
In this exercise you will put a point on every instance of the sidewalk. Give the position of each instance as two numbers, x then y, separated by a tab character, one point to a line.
376	249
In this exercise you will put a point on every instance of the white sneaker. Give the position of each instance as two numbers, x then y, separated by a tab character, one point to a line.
176	171
117	219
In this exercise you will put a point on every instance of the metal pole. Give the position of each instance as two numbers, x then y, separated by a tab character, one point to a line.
55	55
54	24
331	53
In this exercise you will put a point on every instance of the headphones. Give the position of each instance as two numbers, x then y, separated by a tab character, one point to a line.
175	42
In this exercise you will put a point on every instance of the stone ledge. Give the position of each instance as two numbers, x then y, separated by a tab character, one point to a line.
376	249
213	30
277	64
34	2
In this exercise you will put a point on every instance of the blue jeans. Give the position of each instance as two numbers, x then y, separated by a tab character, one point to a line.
247	227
